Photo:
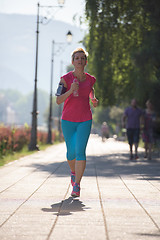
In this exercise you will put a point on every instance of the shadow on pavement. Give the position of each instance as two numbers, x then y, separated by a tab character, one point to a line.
109	165
152	235
113	165
66	207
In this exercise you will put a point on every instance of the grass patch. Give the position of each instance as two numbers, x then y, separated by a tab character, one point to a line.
24	152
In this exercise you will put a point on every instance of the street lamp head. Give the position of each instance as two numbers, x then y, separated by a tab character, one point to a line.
61	2
69	37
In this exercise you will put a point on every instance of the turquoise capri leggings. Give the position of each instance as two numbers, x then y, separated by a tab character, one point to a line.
76	136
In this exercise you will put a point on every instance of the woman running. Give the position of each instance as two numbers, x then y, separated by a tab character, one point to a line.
75	89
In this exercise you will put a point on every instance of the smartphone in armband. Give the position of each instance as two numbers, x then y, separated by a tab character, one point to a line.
61	89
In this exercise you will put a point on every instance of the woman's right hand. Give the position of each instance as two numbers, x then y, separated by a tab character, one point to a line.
74	86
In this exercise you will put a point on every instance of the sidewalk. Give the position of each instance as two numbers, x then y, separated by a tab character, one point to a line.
120	199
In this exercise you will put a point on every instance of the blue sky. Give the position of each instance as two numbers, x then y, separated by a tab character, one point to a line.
72	7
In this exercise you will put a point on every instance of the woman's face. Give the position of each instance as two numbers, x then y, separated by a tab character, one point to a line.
148	104
79	60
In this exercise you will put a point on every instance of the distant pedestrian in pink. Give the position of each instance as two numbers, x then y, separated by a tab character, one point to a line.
147	135
104	131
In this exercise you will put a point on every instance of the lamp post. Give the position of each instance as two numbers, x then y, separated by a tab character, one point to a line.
69	39
49	138
33	140
60	108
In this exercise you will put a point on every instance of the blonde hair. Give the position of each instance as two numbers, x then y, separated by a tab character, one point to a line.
79	50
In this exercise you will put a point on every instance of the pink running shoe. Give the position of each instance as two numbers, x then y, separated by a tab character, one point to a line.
76	190
72	178
136	157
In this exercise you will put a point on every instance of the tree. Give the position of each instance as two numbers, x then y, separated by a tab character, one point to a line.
123	45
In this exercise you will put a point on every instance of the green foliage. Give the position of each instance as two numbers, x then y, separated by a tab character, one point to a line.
116	114
111	115
123	46
100	115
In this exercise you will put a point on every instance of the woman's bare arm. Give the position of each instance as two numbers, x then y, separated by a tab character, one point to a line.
93	98
74	86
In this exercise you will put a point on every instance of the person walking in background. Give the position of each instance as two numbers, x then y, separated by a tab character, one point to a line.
104	131
75	89
133	115
147	135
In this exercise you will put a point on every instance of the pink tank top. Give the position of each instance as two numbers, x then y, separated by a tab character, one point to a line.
77	109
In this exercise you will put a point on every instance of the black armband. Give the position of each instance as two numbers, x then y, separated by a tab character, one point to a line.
61	89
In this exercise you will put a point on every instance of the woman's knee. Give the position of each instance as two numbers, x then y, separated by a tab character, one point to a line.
81	156
71	155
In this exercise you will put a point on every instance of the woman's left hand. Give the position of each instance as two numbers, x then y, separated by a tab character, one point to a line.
95	102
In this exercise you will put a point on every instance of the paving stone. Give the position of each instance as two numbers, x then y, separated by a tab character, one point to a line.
120	199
